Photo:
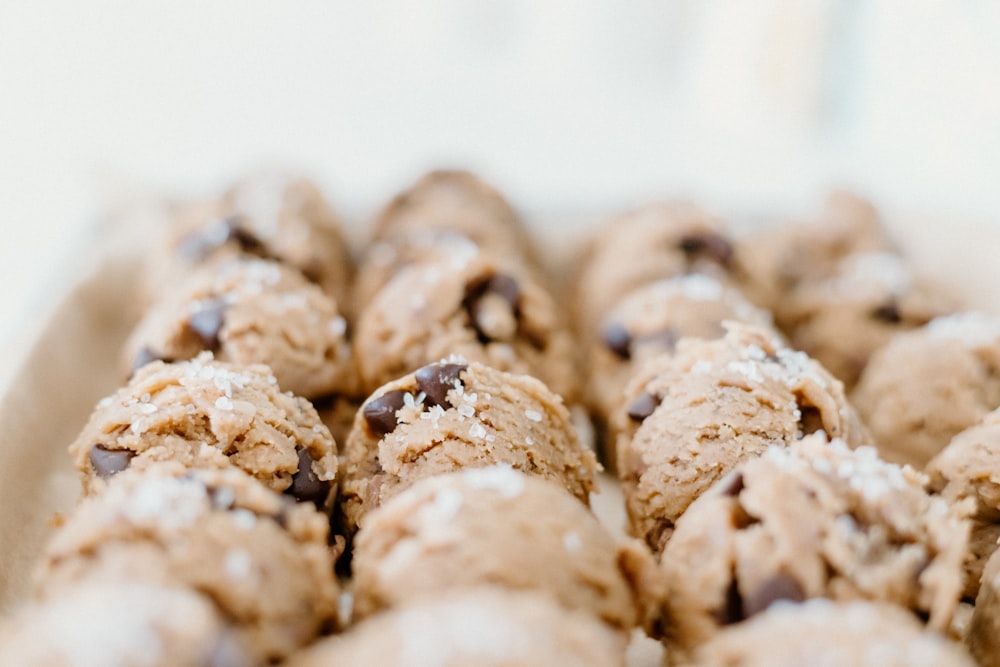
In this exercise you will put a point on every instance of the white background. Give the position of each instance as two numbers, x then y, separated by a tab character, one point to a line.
581	106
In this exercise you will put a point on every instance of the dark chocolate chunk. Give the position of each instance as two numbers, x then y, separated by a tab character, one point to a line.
107	462
643	406
888	313
707	244
207	322
731	485
661	533
381	412
776	587
504	286
732	611
436	380
306	486
618	339
810	419
146	356
244	238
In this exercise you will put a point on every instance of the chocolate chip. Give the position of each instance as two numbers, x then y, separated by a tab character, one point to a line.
888	313
618	339
494	305
306	486
207	322
731	485
643	406
732	611
661	533
144	356
810	419
436	380
707	244
107	462
380	413
776	587
247	241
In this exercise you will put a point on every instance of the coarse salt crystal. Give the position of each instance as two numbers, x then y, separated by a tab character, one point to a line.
237	563
104	402
147	408
572	542
477	430
529	440
223	403
466	410
244	519
533	415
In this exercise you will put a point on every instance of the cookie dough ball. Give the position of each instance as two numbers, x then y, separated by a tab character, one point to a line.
831	634
482	309
460	202
261	558
690	418
203	413
650	320
452	415
96	624
984	631
815	519
969	467
657	241
271	216
842	320
492	526
487	627
250	311
776	260
926	386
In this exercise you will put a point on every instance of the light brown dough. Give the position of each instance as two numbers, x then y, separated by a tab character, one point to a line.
203	413
488	627
690	418
453	415
927	385
814	519
491	526
983	639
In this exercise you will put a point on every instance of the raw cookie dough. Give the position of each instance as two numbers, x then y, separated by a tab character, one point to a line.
814	519
984	631
927	385
270	216
451	415
969	467
690	418
203	413
649	321
831	634
478	307
487	627
101	623
778	259
251	311
657	241
842	320
494	526
458	201
261	558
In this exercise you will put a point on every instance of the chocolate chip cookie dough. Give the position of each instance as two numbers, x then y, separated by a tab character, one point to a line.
488	627
690	418
984	631
478	307
842	320
204	413
260	557
252	311
969	467
927	385
490	526
451	415
832	634
267	215
813	519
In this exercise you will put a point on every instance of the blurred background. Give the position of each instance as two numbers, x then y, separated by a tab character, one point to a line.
577	107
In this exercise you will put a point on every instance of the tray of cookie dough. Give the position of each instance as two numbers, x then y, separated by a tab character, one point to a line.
237	439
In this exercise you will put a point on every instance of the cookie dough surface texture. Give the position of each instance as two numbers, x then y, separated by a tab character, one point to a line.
452	415
969	467
250	311
98	624
842	320
657	241
927	385
479	307
831	634
690	418
490	526
488	627
203	413
811	520
267	215
261	558
983	638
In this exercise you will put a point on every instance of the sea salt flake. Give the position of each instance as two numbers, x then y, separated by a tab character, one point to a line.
502	478
466	410
223	403
533	415
237	563
147	408
477	430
